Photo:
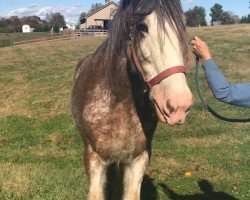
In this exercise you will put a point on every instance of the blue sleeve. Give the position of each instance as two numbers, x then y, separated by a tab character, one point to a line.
237	94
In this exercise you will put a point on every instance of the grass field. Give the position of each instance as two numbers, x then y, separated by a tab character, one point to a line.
41	152
18	37
21	38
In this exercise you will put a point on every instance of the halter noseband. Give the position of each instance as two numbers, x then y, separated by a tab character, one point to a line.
158	78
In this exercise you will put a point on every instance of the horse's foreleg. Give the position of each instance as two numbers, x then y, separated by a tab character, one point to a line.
133	176
96	171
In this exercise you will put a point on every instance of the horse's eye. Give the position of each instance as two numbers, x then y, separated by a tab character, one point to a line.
142	28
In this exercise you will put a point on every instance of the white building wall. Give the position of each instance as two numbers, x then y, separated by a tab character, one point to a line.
26	28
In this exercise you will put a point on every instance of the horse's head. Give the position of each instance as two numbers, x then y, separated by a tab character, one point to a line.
160	43
156	34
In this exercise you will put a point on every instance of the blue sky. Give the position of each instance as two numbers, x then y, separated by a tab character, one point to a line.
72	9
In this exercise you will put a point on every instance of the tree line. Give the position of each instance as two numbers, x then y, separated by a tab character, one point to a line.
194	17
197	16
53	20
14	23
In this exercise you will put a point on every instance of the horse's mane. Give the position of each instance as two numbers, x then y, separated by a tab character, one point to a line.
130	13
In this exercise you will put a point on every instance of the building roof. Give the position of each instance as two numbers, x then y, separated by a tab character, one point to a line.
104	6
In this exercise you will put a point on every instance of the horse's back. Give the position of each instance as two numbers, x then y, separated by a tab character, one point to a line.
83	63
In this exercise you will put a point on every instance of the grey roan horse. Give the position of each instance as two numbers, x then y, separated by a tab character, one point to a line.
135	78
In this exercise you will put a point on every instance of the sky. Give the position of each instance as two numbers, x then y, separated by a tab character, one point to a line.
72	9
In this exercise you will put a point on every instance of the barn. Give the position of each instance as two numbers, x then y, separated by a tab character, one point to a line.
101	18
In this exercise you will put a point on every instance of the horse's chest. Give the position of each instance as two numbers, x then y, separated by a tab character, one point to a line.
115	132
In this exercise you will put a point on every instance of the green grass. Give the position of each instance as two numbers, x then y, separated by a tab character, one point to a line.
41	152
18	37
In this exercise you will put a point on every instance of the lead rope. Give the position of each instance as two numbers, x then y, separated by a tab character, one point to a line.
203	99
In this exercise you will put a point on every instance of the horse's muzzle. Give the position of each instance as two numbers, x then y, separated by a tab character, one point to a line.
172	108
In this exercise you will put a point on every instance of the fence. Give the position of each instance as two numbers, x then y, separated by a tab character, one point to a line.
86	33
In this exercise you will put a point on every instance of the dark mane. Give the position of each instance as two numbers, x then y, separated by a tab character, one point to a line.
129	14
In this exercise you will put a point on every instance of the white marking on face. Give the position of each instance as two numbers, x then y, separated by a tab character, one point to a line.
159	51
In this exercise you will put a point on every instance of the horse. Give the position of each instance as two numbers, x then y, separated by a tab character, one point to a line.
134	79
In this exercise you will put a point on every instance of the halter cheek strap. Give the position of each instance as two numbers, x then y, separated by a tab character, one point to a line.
158	78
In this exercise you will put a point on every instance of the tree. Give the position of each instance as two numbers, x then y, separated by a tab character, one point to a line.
56	20
82	18
15	24
245	19
94	8
229	18
10	25
56	28
3	25
216	12
35	22
202	14
82	15
78	26
192	18
196	17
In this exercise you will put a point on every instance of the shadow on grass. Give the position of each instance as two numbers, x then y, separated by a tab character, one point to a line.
207	189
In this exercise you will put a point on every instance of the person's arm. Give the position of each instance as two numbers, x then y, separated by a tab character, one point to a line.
236	94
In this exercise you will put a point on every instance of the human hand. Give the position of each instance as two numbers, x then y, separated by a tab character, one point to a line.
201	47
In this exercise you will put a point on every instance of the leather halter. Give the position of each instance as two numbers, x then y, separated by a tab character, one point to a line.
158	78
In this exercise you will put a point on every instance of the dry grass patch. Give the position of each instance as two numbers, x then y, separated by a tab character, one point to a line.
17	179
211	141
4	141
42	152
8	56
162	165
59	139
215	174
201	142
13	96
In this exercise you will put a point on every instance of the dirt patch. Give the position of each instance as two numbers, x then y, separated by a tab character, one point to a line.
12	97
160	165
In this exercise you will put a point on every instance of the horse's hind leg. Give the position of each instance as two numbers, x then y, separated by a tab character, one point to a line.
96	171
133	176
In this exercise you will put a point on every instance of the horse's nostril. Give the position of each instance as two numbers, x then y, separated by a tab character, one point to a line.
181	121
